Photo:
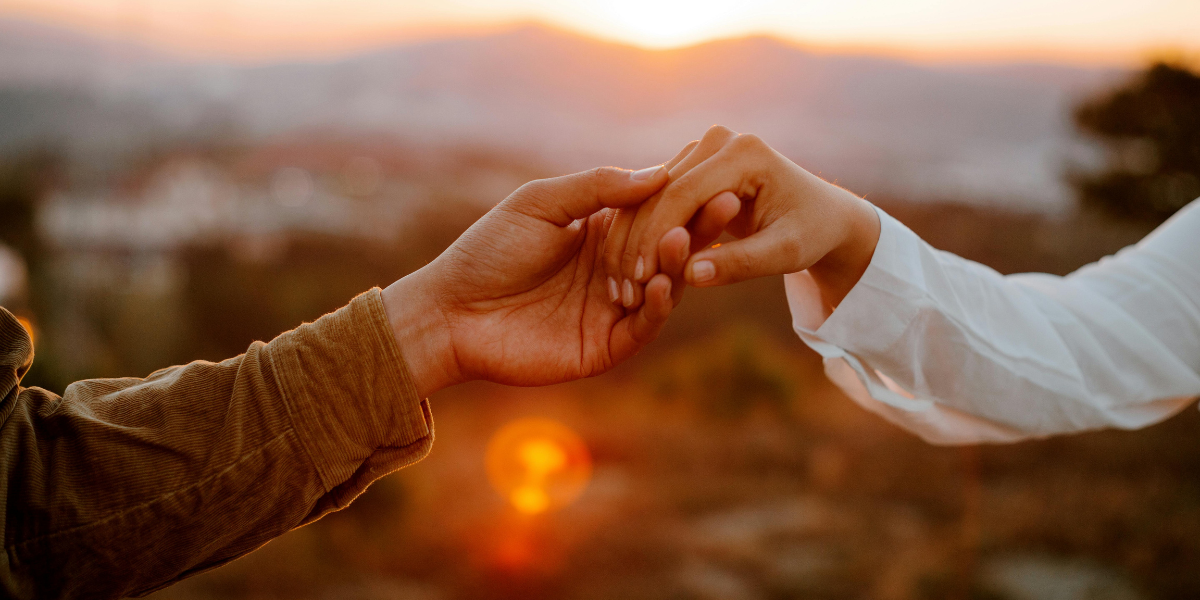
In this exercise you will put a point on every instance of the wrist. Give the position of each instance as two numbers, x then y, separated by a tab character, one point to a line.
420	328
839	270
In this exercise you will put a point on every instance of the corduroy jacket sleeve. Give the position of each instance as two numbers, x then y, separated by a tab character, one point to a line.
123	486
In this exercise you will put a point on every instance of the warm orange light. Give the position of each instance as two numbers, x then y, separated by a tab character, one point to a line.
667	23
538	464
28	325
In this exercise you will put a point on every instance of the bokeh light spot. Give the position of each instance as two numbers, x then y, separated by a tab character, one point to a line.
530	499
542	457
538	464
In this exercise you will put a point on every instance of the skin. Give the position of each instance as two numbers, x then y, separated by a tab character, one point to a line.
705	227
789	220
522	297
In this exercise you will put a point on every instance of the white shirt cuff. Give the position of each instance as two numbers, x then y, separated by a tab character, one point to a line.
872	317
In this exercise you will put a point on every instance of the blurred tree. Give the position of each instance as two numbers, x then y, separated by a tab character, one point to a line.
1151	128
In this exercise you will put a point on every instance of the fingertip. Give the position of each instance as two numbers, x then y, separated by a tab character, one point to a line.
726	206
649	175
675	237
701	271
673	251
658	298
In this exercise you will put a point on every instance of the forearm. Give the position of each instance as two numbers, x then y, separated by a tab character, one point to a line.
155	479
1016	356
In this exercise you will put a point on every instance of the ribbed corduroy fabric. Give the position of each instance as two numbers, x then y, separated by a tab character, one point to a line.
123	486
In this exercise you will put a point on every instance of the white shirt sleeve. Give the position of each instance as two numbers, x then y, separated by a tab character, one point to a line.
957	353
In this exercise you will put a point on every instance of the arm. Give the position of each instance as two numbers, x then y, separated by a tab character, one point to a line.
957	353
122	486
941	345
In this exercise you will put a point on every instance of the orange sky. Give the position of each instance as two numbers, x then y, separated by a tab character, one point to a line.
1112	31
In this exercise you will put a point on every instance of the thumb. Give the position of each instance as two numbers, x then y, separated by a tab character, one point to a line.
561	200
758	255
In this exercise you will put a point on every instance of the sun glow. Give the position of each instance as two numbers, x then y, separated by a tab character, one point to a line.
1108	30
667	23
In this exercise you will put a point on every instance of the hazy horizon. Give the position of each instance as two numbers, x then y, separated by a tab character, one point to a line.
252	31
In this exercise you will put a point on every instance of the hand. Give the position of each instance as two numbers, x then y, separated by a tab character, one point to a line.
789	220
521	297
676	246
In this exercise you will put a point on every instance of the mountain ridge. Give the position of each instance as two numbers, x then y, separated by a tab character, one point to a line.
994	133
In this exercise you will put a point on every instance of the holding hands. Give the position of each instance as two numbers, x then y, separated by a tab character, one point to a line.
569	276
786	219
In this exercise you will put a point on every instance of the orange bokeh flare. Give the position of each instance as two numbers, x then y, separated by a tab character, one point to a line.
538	464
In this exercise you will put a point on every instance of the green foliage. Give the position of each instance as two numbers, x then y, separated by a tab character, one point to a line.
1151	129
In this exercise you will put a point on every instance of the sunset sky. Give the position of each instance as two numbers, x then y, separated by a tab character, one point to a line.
1116	31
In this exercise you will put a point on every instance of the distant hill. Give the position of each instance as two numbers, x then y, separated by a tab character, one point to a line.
964	132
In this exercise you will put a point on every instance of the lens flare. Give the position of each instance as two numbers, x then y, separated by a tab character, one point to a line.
538	464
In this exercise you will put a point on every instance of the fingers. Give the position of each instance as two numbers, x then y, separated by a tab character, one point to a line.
642	248
707	226
682	154
623	289
767	252
562	200
614	245
636	330
673	252
736	168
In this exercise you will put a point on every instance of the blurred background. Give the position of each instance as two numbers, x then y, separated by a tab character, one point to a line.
180	178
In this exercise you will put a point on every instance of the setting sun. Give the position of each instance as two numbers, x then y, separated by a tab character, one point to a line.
1119	31
668	23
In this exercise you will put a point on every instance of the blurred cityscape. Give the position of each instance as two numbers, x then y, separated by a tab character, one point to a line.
156	210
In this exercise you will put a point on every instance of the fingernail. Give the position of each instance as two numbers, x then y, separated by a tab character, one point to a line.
627	299
646	173
683	252
640	269
614	293
703	270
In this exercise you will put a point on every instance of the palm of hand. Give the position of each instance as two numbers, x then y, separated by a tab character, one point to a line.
528	304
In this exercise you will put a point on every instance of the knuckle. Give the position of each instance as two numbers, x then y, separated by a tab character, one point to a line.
596	177
530	196
536	189
741	262
748	142
718	133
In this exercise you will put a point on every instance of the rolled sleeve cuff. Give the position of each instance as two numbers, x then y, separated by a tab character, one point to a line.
351	396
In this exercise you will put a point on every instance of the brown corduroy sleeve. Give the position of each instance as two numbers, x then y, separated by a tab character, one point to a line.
122	486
